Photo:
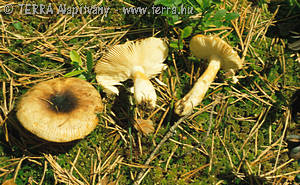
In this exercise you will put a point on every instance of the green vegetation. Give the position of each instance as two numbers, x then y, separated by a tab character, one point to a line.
237	134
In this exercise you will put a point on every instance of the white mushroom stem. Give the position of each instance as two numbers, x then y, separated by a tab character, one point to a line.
144	92
197	93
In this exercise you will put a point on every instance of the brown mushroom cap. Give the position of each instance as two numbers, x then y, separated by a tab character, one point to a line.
204	47
60	110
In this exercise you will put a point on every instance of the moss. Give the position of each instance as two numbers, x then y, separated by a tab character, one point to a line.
184	159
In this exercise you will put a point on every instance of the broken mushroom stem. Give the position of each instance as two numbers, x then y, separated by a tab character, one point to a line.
196	94
144	92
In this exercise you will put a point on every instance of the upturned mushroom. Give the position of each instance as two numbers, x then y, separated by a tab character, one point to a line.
140	61
60	110
220	55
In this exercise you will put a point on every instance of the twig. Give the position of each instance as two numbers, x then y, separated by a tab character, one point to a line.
211	116
277	168
18	167
227	152
75	161
170	157
165	138
193	172
44	173
212	153
193	148
283	134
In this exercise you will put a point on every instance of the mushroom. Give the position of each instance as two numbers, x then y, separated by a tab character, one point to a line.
220	55
9	182
293	140
294	146
60	110
295	45
140	61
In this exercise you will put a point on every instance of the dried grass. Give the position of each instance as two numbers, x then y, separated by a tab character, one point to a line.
250	27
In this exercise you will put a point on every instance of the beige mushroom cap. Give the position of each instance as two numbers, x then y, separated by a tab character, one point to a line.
60	110
204	47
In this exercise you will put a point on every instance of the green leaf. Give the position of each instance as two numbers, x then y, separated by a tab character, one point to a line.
230	100
75	57
231	16
176	44
173	45
17	25
73	73
217	23
196	7
220	14
174	19
89	61
227	89
186	32
177	2
163	2
208	23
204	4
82	77
168	3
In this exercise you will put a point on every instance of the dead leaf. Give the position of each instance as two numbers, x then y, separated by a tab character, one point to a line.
144	126
9	182
105	181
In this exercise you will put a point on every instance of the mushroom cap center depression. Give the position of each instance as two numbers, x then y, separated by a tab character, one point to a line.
63	102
